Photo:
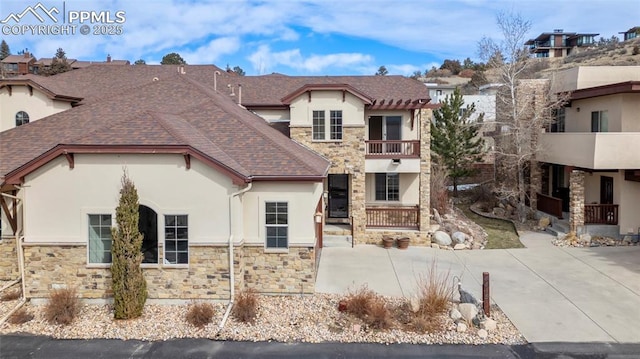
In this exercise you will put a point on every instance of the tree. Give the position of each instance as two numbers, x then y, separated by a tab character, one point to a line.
59	64
524	108
140	62
4	50
236	69
451	65
382	71
416	75
173	59
454	137
128	283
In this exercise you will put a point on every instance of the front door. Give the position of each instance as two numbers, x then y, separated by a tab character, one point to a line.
606	190
339	196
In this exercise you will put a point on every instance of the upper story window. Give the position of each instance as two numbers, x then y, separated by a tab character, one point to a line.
22	118
323	130
599	121
559	123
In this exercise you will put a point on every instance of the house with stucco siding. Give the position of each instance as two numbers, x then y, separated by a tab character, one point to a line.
226	199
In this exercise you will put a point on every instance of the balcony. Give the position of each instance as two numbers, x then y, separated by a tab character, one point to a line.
392	149
599	150
393	217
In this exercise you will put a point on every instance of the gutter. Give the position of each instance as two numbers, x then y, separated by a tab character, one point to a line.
231	267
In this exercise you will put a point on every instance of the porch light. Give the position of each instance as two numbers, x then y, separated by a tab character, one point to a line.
318	217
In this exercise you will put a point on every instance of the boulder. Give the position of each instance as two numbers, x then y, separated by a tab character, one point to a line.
585	238
461	328
459	237
468	311
482	334
455	314
415	304
499	212
544	222
442	238
437	217
435	245
489	325
459	246
626	240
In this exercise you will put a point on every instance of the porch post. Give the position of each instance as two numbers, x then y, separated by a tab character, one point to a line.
424	122
535	184
576	190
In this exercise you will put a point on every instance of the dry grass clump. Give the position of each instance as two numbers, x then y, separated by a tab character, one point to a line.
367	306
245	308
62	307
20	316
200	314
433	300
10	295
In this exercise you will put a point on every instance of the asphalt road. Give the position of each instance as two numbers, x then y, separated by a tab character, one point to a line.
26	346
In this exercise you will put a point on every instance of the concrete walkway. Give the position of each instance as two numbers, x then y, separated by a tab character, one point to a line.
551	294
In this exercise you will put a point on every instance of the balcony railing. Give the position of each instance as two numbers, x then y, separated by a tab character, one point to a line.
551	205
601	214
393	149
393	217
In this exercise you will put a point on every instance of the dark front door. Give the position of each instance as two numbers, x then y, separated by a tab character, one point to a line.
338	196
148	226
606	190
375	128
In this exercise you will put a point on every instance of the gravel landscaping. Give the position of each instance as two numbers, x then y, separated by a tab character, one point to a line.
313	319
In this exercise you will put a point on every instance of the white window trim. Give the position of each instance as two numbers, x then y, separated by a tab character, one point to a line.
390	201
164	247
263	223
84	227
327	127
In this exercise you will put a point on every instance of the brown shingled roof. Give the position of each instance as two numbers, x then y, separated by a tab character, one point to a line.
175	114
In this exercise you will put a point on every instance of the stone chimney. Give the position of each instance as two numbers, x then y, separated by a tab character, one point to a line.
27	54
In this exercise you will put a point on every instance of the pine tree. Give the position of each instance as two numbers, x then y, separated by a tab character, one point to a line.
454	138
382	71
4	50
172	59
59	64
128	283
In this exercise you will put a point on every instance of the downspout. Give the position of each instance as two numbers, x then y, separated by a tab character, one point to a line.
231	267
20	252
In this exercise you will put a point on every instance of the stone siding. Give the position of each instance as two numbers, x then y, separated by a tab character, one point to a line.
576	204
424	124
8	259
283	273
347	157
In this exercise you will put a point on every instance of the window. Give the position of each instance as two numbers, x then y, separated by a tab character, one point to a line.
176	239
320	127
558	125
22	118
277	224
599	121
100	238
387	187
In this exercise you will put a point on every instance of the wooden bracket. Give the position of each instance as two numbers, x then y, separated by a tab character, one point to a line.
70	159
187	160
13	222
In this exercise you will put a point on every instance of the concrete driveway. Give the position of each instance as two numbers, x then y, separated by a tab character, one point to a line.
551	294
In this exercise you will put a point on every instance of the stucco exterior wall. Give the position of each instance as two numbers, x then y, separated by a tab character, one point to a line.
273	115
406	133
580	121
301	109
409	190
36	106
590	76
629	210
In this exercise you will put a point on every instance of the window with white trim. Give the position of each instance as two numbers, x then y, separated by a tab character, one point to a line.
277	225
320	127
599	121
387	187
22	118
176	239
100	238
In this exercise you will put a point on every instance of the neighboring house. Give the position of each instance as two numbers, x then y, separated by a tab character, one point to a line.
210	171
44	63
631	34
559	43
589	167
14	65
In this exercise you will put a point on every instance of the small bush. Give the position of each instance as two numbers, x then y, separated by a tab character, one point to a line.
434	292
200	314
10	295
467	73
20	316
359	301
62	307
636	50
246	307
427	324
378	315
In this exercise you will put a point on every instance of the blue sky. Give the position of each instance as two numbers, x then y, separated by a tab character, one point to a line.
310	37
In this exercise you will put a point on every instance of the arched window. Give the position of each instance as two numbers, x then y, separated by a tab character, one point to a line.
22	118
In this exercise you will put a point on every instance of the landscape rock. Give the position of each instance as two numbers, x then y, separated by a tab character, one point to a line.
461	327
626	240
356	328
442	238
585	239
435	245
468	311
455	314
459	237
499	212
544	222
415	304
459	246
437	217
482	334
489	325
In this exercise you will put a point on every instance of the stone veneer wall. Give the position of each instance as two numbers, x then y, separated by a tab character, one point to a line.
206	277
347	157
283	273
424	124
576	200
8	259
535	176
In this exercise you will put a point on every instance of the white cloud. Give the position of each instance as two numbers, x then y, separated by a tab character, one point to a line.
263	60
211	52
